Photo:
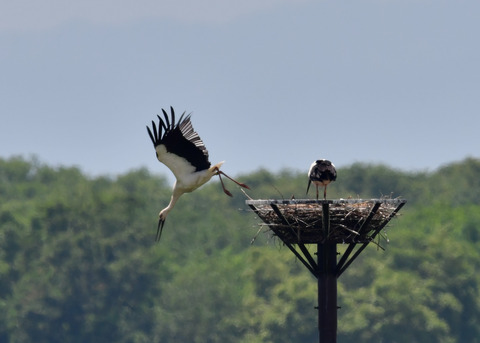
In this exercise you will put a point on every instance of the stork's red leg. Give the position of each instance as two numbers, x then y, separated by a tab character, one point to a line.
238	183
227	192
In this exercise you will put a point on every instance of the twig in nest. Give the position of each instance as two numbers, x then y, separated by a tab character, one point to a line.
256	235
246	195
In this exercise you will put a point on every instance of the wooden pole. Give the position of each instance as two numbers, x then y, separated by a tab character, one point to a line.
327	284
327	292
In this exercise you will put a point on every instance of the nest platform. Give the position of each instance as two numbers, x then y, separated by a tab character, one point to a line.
326	223
302	220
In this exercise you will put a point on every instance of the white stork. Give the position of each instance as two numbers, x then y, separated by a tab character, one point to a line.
182	150
321	173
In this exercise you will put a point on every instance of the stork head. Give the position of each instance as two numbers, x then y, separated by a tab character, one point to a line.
162	216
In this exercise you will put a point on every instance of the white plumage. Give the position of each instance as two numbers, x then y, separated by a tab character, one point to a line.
321	173
181	149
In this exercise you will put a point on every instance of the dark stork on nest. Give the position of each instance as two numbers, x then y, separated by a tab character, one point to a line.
321	173
182	150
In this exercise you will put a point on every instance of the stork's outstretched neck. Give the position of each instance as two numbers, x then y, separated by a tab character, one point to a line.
162	216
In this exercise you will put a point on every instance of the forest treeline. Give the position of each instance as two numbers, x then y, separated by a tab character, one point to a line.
78	261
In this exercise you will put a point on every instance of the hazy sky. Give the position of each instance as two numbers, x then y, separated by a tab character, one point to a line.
271	83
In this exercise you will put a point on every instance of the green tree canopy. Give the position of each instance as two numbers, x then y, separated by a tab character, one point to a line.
78	261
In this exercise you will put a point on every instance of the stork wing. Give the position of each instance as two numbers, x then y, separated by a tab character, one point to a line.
177	145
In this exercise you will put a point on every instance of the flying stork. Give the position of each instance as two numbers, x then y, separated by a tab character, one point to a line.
182	150
321	173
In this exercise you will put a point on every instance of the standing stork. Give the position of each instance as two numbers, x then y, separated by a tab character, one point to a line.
182	150
321	173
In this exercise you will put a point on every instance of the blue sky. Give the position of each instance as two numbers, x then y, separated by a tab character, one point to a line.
271	83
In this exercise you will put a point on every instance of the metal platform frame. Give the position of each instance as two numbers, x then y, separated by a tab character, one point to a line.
326	268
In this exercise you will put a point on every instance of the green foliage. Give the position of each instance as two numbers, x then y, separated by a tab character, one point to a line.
78	262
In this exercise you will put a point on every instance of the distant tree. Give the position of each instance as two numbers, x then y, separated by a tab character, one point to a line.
78	261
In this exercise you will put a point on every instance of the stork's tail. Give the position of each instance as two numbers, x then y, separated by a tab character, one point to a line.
214	169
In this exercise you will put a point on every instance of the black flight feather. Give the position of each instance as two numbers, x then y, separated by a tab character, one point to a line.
180	139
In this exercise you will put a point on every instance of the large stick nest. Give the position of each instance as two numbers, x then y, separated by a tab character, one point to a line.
350	221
